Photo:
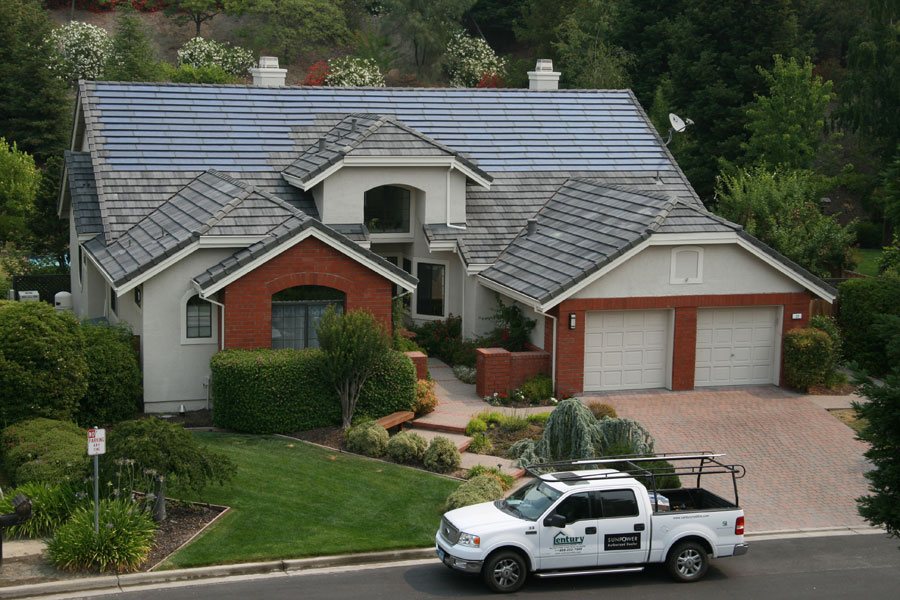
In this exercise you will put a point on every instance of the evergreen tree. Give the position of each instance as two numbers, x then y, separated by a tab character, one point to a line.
133	57
34	106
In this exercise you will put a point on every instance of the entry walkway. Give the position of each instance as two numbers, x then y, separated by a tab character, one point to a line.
804	467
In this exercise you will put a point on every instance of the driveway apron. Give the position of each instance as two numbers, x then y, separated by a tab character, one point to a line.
804	467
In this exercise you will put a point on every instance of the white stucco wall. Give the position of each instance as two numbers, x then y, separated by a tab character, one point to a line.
340	199
176	370
727	269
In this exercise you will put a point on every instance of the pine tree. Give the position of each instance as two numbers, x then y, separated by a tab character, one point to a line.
133	57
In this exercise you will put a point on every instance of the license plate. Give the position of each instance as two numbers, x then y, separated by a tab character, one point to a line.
440	553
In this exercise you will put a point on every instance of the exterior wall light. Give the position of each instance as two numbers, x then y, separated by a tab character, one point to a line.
571	320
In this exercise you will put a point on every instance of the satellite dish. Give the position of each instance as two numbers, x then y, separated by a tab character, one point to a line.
677	123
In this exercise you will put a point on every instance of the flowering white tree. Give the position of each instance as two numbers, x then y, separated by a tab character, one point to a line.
470	60
82	51
352	71
201	53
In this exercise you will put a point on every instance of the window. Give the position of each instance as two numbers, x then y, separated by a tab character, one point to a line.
198	323
296	312
430	293
387	210
615	503
576	507
687	265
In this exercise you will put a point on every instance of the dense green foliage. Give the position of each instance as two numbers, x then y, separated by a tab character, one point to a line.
601	410
283	391
427	26
197	12
480	444
43	372
168	449
481	488
512	329
51	505
506	480
441	456
133	57
859	301
113	378
881	413
44	450
407	447
124	541
368	439
809	358
19	183
830	326
539	387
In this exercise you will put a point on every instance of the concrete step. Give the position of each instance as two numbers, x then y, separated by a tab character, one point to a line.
437	426
462	441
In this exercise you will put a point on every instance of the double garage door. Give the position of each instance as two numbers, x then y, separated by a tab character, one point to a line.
629	350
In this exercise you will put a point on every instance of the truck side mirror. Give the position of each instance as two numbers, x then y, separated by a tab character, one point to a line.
555	520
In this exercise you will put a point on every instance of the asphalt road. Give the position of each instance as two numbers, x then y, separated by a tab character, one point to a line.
858	566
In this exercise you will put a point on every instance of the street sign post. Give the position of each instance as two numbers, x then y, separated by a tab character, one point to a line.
96	446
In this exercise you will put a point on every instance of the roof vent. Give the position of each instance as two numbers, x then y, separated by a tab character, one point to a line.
321	144
543	77
353	125
268	74
532	226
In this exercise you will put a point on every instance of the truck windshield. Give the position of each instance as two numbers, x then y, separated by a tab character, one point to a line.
530	501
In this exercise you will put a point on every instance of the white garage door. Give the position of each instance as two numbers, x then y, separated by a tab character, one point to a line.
625	350
736	346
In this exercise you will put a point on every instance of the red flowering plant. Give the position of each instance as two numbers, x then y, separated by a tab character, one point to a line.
490	80
318	74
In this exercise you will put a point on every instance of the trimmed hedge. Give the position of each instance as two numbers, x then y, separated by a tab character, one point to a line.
43	372
481	488
114	379
283	391
368	439
808	357
859	301
44	450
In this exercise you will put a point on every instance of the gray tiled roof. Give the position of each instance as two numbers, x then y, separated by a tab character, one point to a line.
582	227
281	234
149	140
83	189
212	204
368	135
689	218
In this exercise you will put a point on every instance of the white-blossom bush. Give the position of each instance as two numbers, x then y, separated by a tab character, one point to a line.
354	72
82	51
201	53
469	59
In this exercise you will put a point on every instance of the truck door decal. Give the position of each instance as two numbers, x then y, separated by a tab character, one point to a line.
622	541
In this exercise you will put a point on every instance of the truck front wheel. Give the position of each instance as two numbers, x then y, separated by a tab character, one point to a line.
687	562
504	572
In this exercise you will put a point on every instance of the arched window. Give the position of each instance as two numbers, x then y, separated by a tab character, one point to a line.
387	209
198	316
297	310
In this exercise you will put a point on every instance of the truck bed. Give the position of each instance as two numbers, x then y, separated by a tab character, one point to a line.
687	499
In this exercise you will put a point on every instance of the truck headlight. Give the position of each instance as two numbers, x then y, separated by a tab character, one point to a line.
467	539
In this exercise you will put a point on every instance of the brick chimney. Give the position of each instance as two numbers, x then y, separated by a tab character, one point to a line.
543	77
268	74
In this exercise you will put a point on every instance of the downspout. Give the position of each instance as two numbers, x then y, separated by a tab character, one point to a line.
451	226
553	353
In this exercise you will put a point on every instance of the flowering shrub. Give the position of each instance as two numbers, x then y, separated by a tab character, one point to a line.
354	72
82	51
470	62
200	53
490	80
317	75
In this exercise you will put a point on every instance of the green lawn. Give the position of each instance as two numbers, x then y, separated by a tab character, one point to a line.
869	261
291	499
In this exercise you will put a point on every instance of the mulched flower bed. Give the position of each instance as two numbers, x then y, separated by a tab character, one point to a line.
332	437
502	439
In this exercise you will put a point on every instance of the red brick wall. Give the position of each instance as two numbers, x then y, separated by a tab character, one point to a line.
498	370
248	301
570	342
421	363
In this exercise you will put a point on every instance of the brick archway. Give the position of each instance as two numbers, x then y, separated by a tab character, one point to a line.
248	300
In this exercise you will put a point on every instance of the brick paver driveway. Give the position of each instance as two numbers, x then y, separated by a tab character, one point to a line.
804	467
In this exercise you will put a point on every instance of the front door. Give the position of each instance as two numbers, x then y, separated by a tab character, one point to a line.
623	533
575	545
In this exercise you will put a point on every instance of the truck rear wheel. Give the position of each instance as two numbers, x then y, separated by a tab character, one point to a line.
504	572
687	562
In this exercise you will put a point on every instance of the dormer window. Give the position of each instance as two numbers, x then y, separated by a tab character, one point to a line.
387	210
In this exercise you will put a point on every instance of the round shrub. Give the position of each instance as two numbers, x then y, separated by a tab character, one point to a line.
201	54
407	447
169	449
442	456
481	444
539	387
468	59
51	505
352	71
602	411
123	543
44	450
808	357
476	425
114	379
426	400
506	481
43	372
483	488
82	51
369	439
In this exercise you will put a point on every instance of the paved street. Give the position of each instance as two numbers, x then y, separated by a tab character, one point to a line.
860	566
804	467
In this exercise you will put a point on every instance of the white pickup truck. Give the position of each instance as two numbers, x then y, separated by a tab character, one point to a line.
574	521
